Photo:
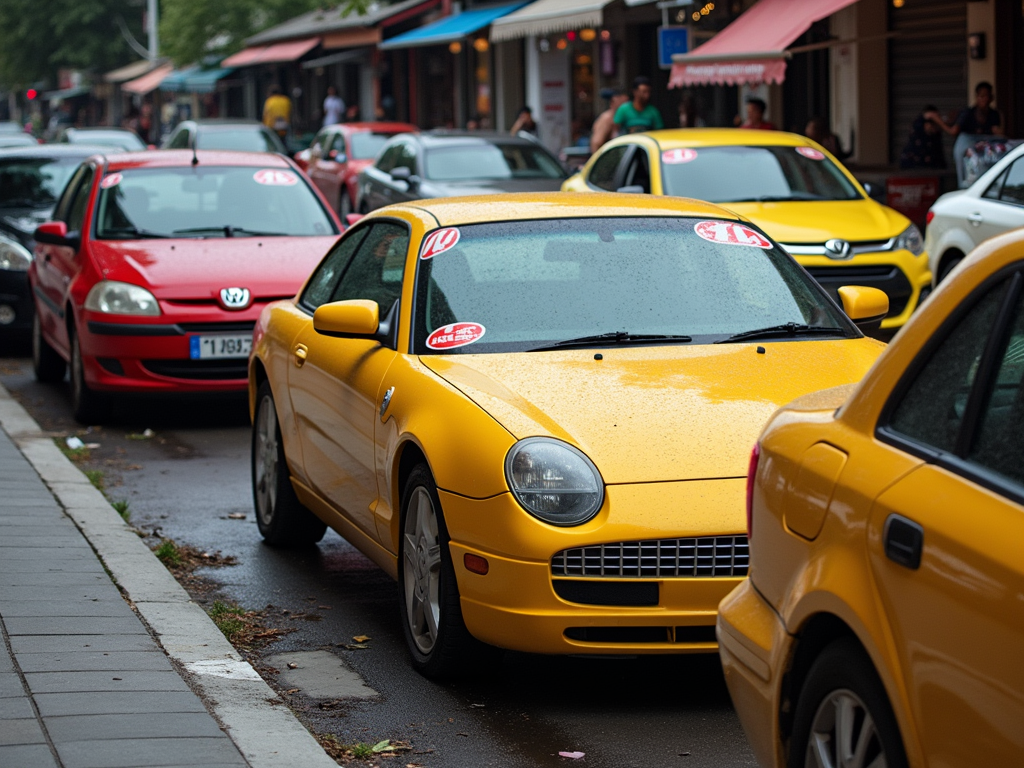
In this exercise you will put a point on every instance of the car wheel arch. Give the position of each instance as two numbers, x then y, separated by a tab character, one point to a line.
408	455
952	253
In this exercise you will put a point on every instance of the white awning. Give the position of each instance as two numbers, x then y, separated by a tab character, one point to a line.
545	17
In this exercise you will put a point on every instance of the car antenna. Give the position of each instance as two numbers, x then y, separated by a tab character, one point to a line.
195	159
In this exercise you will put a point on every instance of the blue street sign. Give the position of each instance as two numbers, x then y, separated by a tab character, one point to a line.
672	40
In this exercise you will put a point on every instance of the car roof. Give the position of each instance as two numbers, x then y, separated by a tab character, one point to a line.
451	211
380	127
470	138
98	129
180	158
56	150
226	123
710	137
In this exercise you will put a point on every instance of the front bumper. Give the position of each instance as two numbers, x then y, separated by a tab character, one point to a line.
521	605
754	648
16	296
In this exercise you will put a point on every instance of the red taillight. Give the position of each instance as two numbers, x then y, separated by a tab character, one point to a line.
755	456
929	217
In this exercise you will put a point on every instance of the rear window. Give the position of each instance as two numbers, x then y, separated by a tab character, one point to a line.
491	161
366	146
240	139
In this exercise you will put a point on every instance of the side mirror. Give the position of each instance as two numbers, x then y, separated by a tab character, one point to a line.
633	189
867	307
401	174
56	233
357	319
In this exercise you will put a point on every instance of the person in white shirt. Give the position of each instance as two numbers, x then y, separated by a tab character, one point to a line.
334	107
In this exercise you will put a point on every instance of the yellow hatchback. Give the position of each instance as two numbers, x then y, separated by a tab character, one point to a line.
789	186
534	411
883	620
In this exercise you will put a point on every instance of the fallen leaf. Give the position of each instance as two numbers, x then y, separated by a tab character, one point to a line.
236	516
92	446
292	665
684	754
324	607
414	765
462	734
293	690
478	706
381	746
572	755
362	638
354	647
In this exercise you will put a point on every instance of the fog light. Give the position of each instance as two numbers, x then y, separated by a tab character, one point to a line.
476	564
7	315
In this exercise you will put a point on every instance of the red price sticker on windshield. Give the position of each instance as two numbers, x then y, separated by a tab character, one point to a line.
439	241
273	178
811	153
678	156
455	335
730	233
111	181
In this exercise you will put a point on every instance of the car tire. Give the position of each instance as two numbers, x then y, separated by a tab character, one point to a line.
88	405
428	594
281	518
843	694
48	365
948	265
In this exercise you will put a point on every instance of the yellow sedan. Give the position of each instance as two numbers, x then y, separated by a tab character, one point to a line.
789	186
534	411
883	620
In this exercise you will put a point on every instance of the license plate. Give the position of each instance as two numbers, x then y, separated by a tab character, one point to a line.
219	347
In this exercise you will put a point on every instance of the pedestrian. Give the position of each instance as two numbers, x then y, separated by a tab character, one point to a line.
334	106
603	129
755	116
979	119
352	113
277	111
639	114
524	122
924	144
818	130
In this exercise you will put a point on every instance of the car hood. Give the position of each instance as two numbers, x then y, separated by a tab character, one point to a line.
465	188
810	222
656	413
271	267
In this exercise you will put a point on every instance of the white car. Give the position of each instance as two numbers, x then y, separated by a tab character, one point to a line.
961	220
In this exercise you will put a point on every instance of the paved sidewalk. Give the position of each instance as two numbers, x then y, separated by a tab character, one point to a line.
82	681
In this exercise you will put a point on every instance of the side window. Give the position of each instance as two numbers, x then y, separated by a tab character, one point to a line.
406	156
76	215
992	193
999	441
638	173
317	145
338	145
325	278
603	173
60	212
932	409
376	271
389	158
1013	186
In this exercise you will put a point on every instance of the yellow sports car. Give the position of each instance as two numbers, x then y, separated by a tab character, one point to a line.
789	186
883	620
535	412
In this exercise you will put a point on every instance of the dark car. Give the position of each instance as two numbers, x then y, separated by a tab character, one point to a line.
31	180
16	140
239	135
449	164
113	138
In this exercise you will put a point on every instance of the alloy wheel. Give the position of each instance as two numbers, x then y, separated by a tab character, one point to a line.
844	735
266	460
422	571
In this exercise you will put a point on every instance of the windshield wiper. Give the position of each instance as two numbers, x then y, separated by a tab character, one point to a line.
132	233
229	231
786	329
614	337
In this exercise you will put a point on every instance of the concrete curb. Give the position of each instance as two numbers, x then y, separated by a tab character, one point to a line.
254	716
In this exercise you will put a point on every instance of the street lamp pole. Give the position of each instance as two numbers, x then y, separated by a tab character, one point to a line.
154	43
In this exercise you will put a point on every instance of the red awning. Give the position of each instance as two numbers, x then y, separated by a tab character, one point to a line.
272	54
753	48
149	81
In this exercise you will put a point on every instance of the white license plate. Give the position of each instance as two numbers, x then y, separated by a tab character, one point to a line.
220	346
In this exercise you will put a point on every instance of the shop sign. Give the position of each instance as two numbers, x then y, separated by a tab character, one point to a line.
671	41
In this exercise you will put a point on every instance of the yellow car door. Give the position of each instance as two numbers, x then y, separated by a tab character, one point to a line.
945	540
334	383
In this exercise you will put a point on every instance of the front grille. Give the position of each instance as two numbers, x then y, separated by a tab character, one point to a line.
245	326
701	557
206	370
638	635
885	277
635	593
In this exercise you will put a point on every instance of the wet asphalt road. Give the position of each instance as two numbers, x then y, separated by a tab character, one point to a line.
194	473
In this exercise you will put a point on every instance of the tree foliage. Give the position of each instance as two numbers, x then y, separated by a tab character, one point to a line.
41	37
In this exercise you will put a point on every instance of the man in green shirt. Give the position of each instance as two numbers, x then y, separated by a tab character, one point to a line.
639	115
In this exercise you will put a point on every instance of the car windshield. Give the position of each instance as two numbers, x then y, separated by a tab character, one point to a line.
366	146
491	161
34	181
239	139
747	174
532	284
122	140
208	201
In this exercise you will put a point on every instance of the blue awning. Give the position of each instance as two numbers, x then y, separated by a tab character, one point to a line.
450	28
194	80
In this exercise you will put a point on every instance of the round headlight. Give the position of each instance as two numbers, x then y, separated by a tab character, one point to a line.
119	298
554	481
14	256
910	240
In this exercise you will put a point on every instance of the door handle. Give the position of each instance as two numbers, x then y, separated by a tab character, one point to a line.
301	350
975	218
903	540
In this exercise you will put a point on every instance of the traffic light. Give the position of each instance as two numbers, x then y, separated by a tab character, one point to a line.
31	94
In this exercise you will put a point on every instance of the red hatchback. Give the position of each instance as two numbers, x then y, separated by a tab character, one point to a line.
339	153
156	266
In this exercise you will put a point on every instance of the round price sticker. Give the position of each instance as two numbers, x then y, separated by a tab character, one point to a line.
678	156
455	335
811	153
730	233
111	181
274	178
439	241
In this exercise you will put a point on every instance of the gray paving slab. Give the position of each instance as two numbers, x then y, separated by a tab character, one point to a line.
27	756
64	643
92	608
55	553
128	753
43	542
32	566
36	519
94	661
6	662
136	726
23	731
59	625
71	682
14	709
59	586
10	685
116	703
36	528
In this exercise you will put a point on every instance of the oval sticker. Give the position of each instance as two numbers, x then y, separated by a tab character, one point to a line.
455	335
730	233
274	178
811	153
678	156
439	241
111	180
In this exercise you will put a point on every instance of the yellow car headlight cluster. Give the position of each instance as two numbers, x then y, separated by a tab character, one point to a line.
554	481
910	240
